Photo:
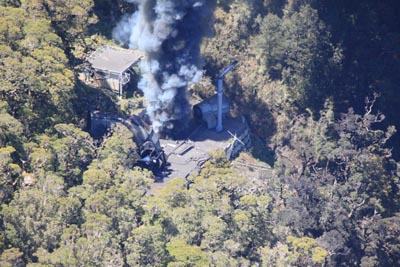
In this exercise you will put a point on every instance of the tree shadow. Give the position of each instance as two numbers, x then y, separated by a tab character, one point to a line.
89	99
259	117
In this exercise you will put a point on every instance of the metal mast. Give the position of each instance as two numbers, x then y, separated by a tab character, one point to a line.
219	90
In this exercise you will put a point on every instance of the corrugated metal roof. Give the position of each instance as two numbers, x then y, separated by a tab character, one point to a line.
113	59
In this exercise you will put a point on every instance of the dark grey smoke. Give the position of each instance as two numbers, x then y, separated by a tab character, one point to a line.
169	32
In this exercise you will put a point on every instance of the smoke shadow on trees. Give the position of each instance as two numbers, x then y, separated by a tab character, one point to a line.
109	13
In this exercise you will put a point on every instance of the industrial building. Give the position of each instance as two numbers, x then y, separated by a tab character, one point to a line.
111	68
212	128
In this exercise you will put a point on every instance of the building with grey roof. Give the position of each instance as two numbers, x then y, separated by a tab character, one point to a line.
111	67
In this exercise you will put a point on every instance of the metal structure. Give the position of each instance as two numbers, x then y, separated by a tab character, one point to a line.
207	110
187	156
150	151
220	93
110	67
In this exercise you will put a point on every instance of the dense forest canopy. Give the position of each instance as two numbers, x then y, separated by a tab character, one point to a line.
318	84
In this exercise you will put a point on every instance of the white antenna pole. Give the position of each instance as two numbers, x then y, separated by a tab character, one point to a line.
219	90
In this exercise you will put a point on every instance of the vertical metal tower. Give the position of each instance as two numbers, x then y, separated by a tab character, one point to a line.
219	90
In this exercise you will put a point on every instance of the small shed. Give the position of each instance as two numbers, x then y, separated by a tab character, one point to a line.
111	67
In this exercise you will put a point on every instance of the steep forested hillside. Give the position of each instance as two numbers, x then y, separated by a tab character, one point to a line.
318	84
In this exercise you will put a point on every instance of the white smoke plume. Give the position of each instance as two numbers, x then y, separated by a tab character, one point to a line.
169	33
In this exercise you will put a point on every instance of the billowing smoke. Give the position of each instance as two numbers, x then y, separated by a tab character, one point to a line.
169	32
